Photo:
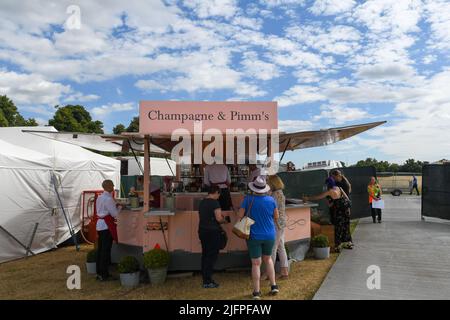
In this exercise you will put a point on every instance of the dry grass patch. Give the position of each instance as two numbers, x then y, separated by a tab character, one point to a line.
44	277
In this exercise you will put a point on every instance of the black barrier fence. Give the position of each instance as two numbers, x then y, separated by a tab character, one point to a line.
300	183
436	191
359	178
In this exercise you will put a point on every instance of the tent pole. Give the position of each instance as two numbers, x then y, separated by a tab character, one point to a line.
65	215
146	173
17	240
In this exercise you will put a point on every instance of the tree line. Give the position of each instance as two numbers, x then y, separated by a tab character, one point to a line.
68	118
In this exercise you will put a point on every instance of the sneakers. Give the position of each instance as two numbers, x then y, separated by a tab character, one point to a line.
211	285
274	290
256	295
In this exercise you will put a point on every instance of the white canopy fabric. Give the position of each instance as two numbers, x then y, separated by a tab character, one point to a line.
159	166
27	196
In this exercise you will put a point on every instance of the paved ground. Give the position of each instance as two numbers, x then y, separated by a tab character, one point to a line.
413	256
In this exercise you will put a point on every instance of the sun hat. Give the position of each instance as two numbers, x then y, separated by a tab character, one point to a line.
259	185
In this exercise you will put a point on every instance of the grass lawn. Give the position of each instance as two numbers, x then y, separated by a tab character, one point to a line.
44	277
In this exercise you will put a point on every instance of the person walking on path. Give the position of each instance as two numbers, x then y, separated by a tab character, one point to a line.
262	208
374	190
415	186
340	206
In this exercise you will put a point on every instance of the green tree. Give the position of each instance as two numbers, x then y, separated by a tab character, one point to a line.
119	129
134	125
412	165
75	118
10	116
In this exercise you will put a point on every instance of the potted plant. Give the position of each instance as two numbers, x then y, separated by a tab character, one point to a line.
128	268
91	262
321	246
156	261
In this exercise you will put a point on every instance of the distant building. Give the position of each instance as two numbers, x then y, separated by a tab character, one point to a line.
443	161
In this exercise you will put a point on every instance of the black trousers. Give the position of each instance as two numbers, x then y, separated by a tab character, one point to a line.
415	188
210	251
376	213
104	246
225	199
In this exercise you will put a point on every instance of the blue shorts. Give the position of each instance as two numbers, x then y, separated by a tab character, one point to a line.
258	248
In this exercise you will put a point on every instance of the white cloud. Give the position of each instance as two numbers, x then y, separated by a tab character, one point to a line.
105	110
386	71
79	97
339	114
212	8
294	125
338	39
300	94
31	89
259	69
438	15
331	7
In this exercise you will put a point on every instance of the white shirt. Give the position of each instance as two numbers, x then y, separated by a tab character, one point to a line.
254	174
105	205
216	173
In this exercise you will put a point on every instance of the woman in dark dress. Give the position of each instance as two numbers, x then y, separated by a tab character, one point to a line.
340	212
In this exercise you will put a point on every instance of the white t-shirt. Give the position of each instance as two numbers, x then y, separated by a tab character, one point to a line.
105	205
216	173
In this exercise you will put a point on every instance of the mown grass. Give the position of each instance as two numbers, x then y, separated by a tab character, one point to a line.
44	277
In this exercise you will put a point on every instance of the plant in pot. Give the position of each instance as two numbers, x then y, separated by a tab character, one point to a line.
91	262
128	268
156	261
321	246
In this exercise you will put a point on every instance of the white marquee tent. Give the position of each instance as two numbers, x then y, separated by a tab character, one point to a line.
28	164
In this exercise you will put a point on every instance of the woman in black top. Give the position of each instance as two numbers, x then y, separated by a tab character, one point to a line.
209	232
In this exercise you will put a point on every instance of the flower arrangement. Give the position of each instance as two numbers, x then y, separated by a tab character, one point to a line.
128	264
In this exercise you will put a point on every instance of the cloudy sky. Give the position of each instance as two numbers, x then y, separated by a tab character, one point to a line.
327	63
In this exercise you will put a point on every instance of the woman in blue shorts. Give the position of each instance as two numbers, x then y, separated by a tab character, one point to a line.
262	208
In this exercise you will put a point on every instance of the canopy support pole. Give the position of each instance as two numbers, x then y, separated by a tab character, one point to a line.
285	149
147	173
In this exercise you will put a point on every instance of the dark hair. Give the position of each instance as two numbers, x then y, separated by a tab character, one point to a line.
335	173
213	189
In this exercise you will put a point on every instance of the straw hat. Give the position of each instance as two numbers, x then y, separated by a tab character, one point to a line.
259	185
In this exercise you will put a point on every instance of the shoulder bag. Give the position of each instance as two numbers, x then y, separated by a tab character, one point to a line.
242	227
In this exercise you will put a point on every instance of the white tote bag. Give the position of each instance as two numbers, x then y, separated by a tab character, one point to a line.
378	204
242	227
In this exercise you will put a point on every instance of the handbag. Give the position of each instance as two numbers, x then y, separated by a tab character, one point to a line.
345	202
223	239
242	227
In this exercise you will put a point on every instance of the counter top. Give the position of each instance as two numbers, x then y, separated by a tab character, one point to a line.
302	205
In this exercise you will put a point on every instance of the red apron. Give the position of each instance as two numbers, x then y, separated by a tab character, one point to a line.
112	227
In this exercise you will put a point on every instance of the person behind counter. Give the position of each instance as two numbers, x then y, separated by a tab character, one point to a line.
107	210
155	192
209	232
218	175
341	211
254	172
263	210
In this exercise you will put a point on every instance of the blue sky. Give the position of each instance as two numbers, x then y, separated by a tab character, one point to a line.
327	63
